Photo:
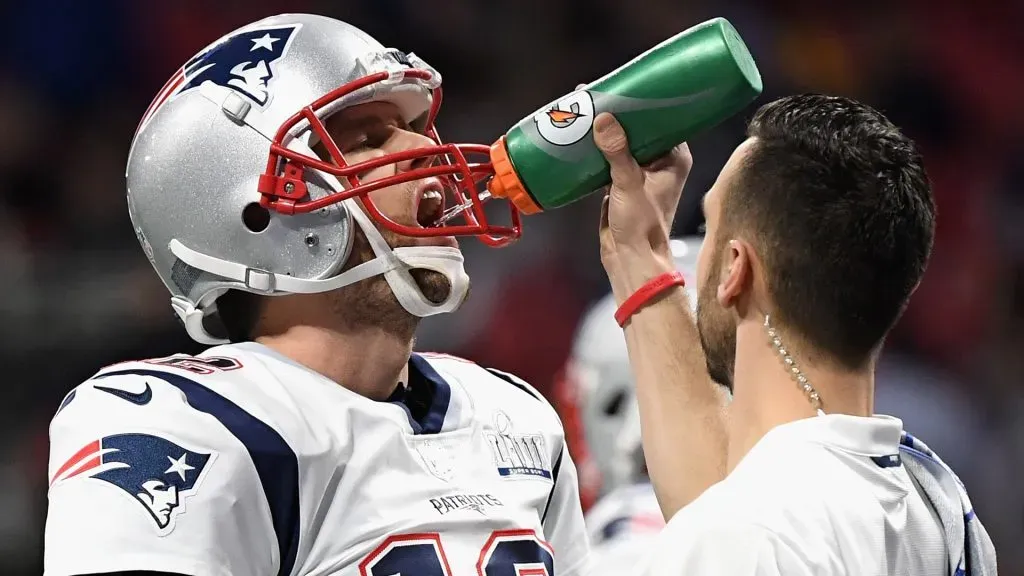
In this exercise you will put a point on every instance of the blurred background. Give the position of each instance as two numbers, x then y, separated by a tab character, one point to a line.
77	292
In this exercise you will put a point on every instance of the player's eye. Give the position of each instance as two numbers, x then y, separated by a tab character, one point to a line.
374	137
378	137
355	143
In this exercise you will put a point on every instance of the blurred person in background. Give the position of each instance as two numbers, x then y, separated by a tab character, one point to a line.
759	424
309	439
596	397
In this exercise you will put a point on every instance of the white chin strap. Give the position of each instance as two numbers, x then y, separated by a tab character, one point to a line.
394	264
397	262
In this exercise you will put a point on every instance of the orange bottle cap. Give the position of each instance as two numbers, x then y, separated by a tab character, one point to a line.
506	183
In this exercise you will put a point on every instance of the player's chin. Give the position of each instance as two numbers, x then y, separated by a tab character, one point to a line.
396	240
443	241
434	285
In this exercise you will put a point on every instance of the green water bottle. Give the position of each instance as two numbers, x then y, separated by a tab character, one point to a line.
662	98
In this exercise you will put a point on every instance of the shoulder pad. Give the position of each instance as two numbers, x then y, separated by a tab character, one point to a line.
507	377
132	417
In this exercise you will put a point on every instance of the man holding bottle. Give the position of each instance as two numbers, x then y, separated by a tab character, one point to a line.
758	422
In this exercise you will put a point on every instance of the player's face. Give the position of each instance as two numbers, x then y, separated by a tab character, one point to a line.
716	324
370	131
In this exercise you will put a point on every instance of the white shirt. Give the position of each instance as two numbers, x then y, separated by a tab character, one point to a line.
623	526
824	495
240	462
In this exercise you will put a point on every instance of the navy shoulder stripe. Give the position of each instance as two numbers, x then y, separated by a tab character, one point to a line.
276	463
512	380
67	400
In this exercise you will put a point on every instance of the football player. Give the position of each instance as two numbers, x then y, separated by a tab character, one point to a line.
290	190
597	399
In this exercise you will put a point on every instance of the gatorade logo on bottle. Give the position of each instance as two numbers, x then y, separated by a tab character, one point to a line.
566	121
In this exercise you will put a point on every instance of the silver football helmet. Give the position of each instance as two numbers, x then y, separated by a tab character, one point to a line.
226	192
597	388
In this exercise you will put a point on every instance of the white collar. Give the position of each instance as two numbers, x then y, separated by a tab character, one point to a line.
878	435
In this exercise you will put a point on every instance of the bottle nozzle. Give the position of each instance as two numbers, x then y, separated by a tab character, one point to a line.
506	183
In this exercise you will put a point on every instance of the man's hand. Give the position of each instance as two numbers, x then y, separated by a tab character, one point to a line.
637	212
681	411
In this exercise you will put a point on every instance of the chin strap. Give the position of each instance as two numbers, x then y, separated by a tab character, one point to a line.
192	318
445	260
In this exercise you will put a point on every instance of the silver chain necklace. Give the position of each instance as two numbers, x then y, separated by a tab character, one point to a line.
794	370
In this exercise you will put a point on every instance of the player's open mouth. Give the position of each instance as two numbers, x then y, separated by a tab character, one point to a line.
429	203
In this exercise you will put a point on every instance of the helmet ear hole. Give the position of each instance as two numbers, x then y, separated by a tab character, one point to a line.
255	217
614	404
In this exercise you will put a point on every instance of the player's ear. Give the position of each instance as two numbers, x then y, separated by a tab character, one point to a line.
737	272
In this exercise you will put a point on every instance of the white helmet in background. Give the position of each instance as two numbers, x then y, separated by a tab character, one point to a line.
597	396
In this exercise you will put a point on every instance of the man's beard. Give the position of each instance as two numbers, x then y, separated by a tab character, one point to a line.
716	328
371	302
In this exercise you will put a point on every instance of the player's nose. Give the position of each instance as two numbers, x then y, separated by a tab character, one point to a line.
408	140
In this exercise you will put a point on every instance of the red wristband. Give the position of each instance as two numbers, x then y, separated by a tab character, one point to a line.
646	293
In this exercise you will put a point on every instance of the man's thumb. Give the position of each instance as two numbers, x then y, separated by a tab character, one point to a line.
611	141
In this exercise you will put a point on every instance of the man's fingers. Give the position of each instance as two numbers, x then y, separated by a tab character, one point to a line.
604	232
603	223
611	140
677	160
680	160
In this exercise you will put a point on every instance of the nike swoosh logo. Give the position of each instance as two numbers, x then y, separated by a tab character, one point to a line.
139	399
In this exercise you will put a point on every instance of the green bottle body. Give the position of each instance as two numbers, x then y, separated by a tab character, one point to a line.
674	91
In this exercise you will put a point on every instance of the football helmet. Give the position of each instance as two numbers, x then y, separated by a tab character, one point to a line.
596	396
226	192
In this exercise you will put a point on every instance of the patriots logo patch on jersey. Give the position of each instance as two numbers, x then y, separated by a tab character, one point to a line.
243	62
156	472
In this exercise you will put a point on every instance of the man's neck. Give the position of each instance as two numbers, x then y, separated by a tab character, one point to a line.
368	361
766	395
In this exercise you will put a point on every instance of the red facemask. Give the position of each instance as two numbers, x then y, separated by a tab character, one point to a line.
283	188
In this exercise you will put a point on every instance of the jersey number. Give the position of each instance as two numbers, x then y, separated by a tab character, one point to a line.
197	365
506	553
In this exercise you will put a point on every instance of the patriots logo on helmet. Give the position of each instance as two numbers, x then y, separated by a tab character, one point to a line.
154	471
243	62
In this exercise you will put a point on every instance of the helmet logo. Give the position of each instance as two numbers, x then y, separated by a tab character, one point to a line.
566	121
243	62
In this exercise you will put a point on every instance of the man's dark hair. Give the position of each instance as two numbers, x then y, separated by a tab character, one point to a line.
840	204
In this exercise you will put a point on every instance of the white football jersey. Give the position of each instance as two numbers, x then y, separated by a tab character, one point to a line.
240	462
623	527
820	496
